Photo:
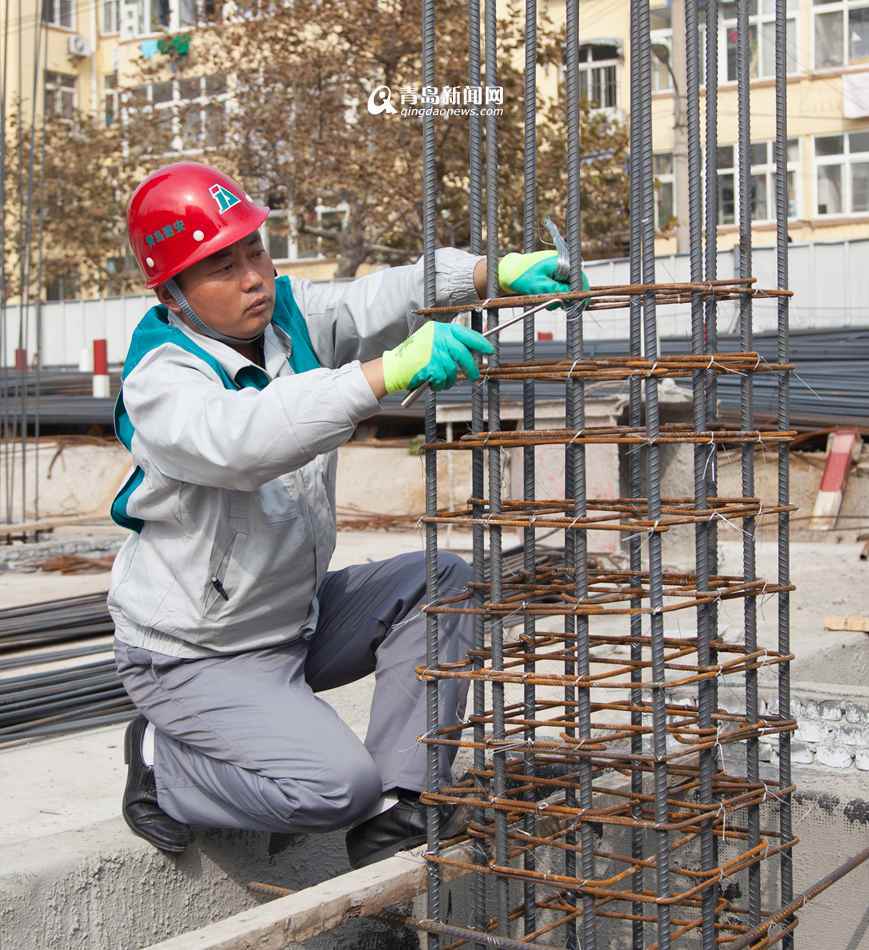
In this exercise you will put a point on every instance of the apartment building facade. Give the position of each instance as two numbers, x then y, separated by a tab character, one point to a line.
89	48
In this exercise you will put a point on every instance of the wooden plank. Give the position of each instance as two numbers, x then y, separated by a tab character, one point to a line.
314	910
854	623
323	907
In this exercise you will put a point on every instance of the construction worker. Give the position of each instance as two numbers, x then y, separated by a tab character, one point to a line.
237	389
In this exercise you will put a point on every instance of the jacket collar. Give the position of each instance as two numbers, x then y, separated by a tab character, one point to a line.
276	346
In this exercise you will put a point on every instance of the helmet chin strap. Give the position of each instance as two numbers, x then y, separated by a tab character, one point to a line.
200	325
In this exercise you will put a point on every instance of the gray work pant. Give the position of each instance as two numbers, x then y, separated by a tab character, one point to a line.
242	741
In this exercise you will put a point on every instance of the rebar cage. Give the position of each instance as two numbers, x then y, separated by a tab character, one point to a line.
614	801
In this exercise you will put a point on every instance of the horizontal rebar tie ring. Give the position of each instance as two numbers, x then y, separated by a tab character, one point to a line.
550	594
618	296
615	368
544	514
670	434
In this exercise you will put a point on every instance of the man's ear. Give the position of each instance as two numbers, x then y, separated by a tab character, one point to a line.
165	298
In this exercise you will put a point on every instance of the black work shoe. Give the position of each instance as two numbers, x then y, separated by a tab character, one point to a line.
140	809
399	828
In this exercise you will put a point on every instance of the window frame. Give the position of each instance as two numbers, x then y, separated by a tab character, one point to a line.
111	93
51	85
142	11
668	178
590	65
768	169
758	20
842	7
176	104
56	19
105	28
320	209
843	161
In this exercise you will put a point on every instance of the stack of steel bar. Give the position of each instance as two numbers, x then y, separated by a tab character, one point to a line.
57	398
626	814
65	689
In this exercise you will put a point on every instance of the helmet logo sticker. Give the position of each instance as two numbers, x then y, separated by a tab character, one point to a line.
224	197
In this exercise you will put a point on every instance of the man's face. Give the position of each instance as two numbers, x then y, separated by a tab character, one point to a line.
233	291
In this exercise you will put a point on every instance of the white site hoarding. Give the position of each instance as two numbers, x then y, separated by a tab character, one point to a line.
828	281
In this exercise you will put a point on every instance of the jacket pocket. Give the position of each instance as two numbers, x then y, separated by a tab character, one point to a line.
216	591
278	499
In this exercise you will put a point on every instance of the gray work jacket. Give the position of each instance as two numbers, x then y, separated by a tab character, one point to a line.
231	500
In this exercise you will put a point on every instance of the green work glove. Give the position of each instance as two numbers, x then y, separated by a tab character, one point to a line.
530	274
434	355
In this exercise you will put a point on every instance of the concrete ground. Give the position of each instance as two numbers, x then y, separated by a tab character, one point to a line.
62	842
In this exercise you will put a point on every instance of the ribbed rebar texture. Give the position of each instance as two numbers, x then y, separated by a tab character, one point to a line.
529	243
615	801
478	475
705	697
635	482
744	198
429	209
783	351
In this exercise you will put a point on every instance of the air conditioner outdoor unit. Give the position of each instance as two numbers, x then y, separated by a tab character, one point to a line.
78	45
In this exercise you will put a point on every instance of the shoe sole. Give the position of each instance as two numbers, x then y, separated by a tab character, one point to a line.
160	846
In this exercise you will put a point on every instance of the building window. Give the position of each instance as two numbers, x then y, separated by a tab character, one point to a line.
665	191
111	98
763	180
156	16
597	75
842	173
726	185
662	48
762	185
57	13
841	32
111	16
285	242
121	273
138	17
59	94
61	287
202	111
761	38
189	114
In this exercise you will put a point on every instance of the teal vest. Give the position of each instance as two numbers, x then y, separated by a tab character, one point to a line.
154	330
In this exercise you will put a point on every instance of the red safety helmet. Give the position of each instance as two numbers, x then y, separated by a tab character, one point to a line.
184	212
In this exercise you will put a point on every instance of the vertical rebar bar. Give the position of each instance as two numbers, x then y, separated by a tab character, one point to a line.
429	198
786	861
4	370
575	455
711	316
752	760
635	458
26	267
40	249
502	891
478	476
529	243
701	530
653	480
